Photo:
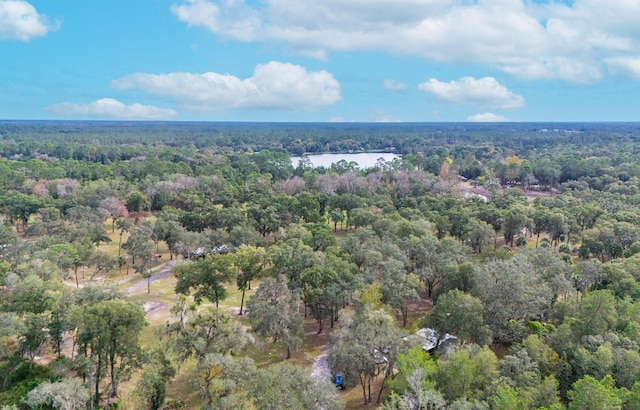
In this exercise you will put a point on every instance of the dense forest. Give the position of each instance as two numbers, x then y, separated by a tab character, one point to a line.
192	265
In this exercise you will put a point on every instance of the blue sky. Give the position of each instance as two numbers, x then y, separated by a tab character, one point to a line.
320	60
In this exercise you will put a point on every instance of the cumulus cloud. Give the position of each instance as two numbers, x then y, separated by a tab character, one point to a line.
393	85
483	92
486	117
628	66
232	17
112	109
550	40
273	85
19	20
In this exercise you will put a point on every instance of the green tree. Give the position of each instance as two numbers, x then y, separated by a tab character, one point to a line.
466	373
479	235
103	262
541	221
210	331
206	276
151	387
290	258
136	201
461	315
308	208
515	218
320	237
415	371
558	226
587	215
337	217
124	225
273	311
108	334
275	163
248	262
488	213
459	219
365	347
214	341
513	293
64	255
62	395
59	323
315	291
263	218
284	386
596	313
507	398
144	252
223	380
171	233
591	394
399	288
85	251
34	333
139	246
438	262
19	207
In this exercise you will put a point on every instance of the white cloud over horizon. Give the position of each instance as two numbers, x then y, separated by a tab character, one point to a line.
522	38
382	116
393	85
19	20
273	85
482	92
486	117
112	109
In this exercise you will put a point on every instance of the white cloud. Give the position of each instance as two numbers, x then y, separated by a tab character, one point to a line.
113	109
273	85
382	116
551	40
486	117
628	66
482	92
233	18
19	20
393	85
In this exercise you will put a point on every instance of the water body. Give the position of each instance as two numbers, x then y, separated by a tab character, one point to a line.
364	160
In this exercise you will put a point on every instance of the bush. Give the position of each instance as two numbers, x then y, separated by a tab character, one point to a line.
18	376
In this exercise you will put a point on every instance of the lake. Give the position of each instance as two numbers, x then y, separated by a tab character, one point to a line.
364	160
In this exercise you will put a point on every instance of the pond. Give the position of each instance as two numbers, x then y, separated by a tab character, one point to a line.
364	160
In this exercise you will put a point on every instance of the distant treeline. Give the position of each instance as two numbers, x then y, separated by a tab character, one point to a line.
75	139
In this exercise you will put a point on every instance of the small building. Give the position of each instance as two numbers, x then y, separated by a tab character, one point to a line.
428	339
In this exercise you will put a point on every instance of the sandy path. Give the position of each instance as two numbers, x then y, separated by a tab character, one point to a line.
164	271
320	367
